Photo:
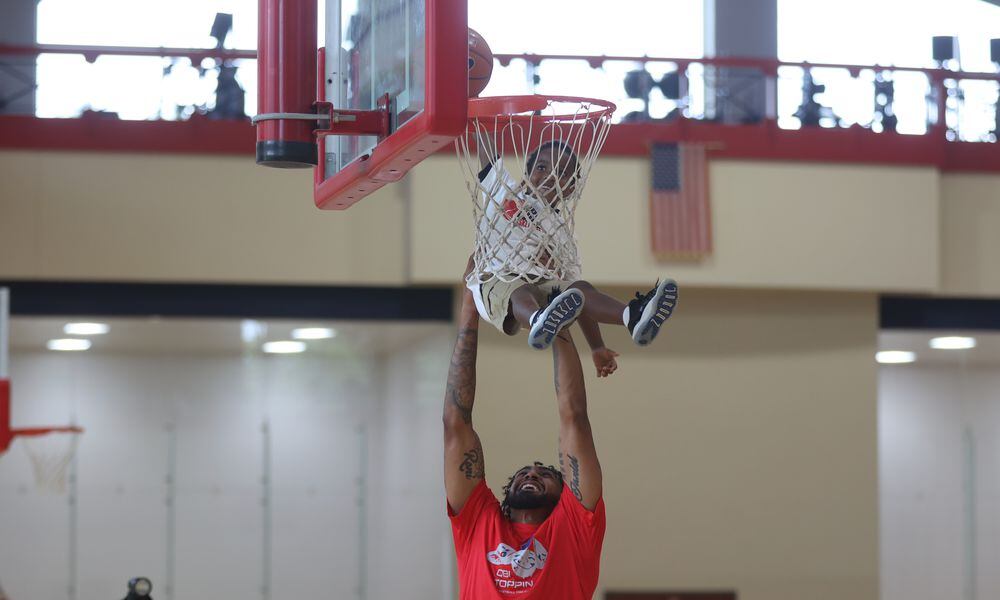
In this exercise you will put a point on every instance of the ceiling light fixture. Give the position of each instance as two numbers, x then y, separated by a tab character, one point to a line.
953	342
895	357
86	328
68	345
284	347
313	333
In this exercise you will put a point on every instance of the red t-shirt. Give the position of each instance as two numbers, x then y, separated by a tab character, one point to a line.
558	559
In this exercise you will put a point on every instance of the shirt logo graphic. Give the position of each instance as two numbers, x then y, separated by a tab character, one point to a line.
511	208
524	562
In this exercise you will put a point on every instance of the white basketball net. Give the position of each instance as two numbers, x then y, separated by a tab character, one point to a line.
525	173
51	455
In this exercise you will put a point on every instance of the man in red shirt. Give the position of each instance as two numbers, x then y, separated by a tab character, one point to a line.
544	541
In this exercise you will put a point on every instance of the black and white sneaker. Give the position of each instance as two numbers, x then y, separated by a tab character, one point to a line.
645	315
559	314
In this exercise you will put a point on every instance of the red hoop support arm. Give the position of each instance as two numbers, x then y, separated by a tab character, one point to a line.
37	431
7	434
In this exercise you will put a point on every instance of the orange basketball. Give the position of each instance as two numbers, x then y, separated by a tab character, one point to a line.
480	63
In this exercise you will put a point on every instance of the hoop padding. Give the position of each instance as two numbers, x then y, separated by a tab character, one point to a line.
526	161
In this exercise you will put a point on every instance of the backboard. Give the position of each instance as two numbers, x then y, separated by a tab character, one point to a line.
391	89
408	57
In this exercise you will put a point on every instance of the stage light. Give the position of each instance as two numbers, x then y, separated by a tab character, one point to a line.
638	84
811	113
885	93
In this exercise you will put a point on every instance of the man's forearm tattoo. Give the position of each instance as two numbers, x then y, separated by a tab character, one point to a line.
555	366
455	398
472	463
461	390
574	479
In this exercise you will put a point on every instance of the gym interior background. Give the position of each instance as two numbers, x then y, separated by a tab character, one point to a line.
758	449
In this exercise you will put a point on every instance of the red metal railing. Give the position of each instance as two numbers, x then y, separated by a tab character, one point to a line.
762	139
91	53
765	65
769	69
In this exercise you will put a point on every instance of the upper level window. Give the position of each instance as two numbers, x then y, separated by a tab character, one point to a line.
168	23
862	32
657	28
156	88
889	33
670	28
886	32
137	87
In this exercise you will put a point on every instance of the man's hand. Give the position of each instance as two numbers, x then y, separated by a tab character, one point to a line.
604	360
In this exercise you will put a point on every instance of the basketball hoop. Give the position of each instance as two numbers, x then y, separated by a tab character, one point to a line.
526	161
51	451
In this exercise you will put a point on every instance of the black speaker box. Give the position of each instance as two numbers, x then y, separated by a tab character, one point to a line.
945	48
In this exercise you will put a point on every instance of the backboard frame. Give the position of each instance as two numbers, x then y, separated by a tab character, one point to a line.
442	119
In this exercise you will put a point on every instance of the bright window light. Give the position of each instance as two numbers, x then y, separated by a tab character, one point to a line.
313	333
953	342
895	357
876	39
672	28
68	345
284	347
251	331
138	87
86	328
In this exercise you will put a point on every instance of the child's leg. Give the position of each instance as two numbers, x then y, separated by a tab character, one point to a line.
524	302
546	311
599	306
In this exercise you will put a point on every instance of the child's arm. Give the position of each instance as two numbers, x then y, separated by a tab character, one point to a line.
604	359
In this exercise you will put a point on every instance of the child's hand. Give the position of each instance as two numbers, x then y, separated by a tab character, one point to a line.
604	360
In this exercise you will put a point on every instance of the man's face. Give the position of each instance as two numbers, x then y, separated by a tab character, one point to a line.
548	178
534	487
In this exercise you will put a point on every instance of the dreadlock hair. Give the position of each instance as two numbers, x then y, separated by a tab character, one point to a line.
505	506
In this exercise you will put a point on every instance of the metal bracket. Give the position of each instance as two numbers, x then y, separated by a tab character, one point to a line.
288	117
356	122
340	121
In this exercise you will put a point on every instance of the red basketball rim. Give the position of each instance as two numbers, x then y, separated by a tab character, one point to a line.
512	106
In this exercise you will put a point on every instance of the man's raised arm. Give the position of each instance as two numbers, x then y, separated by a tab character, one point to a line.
577	454
463	453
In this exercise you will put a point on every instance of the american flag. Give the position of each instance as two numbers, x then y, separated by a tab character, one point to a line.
679	209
